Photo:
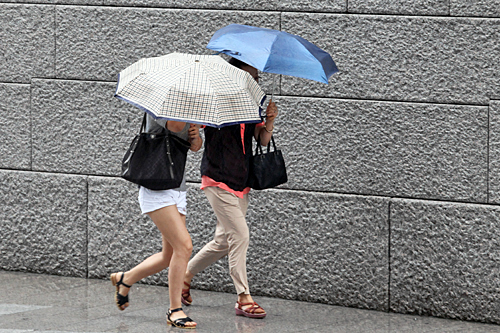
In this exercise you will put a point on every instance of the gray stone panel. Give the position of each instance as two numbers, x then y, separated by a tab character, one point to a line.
484	8
313	247
15	128
79	127
31	1
28	42
399	58
106	40
384	148
494	152
193	163
44	223
407	7
80	2
444	260
60	2
288	5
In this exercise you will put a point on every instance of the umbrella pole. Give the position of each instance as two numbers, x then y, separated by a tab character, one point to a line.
272	91
272	94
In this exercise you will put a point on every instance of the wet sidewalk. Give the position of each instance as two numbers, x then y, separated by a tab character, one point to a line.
46	303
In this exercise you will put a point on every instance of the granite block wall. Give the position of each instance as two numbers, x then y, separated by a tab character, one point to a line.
16	126
451	262
392	202
43	222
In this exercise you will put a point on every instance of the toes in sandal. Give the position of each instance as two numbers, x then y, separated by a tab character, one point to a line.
250	311
179	322
120	300
185	295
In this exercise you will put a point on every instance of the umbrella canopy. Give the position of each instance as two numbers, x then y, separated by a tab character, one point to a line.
274	51
202	89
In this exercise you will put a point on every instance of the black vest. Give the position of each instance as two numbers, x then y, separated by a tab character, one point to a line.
223	159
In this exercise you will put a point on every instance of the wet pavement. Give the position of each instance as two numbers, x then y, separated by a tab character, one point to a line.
55	304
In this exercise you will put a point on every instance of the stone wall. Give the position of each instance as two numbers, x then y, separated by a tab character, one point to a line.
393	196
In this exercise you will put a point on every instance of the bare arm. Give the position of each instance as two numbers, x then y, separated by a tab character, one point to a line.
194	137
265	132
175	126
193	133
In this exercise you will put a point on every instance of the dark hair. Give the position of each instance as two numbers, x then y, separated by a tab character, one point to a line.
237	63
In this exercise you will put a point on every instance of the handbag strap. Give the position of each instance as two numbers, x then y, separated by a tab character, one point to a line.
259	147
143	125
144	122
167	141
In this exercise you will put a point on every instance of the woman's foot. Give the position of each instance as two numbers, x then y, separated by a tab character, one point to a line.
122	289
185	295
177	318
248	308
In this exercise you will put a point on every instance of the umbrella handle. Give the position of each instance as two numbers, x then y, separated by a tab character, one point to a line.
272	94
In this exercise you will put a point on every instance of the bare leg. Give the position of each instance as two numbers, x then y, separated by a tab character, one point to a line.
152	265
188	276
172	226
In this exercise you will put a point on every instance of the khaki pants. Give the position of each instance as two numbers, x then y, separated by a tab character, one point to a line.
231	237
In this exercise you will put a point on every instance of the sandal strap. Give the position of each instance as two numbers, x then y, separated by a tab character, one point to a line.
122	283
121	300
174	310
179	322
249	303
182	321
187	284
254	307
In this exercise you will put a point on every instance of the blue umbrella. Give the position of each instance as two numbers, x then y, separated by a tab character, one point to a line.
274	51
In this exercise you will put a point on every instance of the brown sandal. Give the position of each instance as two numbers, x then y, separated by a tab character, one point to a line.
250	311
185	294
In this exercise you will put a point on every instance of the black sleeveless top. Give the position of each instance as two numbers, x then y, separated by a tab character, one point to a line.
223	159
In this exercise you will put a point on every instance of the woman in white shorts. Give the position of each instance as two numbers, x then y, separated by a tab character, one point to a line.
167	209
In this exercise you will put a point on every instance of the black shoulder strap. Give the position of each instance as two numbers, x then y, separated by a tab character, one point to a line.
143	125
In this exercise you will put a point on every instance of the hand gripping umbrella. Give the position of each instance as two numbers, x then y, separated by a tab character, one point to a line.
201	89
274	51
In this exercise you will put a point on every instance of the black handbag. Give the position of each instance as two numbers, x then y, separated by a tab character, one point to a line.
155	160
267	170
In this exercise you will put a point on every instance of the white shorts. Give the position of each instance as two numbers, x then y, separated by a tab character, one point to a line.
151	200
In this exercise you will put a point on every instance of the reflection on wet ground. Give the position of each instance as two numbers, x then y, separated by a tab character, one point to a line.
47	303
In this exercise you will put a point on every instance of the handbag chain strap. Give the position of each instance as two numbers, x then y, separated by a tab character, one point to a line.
171	163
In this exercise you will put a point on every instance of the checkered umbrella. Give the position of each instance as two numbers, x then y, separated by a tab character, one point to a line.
202	89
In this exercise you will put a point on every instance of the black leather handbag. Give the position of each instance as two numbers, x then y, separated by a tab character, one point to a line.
267	170
155	160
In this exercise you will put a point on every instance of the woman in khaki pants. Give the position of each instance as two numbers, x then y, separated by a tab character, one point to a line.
224	170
